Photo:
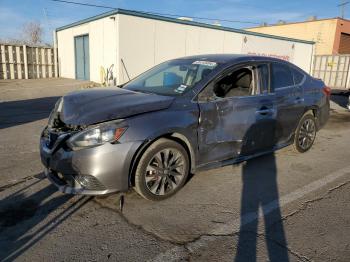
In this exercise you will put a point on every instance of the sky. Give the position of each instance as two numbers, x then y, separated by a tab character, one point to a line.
15	13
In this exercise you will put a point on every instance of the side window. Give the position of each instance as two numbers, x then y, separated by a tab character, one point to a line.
281	76
298	76
235	83
264	78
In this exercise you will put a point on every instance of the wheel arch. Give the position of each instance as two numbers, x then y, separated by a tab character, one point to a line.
315	111
175	136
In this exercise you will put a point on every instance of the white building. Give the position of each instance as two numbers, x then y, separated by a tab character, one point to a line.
130	42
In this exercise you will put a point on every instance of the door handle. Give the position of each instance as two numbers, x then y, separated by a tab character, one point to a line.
299	100
265	111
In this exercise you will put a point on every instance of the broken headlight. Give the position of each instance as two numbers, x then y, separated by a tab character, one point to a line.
98	135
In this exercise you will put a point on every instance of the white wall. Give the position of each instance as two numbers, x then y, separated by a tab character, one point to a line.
145	42
303	56
142	43
295	52
102	45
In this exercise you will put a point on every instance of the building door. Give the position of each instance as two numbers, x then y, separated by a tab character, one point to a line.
82	63
344	45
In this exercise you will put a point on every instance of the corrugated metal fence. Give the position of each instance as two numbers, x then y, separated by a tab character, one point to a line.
333	70
27	62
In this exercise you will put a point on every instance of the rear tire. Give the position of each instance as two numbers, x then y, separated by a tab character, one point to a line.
162	170
305	133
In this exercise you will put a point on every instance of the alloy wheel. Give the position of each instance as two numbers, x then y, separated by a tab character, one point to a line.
165	171
307	134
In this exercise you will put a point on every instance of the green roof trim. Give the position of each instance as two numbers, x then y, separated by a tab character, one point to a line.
178	21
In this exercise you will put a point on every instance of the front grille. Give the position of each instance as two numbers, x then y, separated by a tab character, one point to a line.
54	138
51	140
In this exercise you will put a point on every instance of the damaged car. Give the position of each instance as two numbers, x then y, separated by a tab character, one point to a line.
179	117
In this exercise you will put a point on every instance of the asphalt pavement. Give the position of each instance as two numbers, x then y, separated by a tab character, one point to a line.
284	206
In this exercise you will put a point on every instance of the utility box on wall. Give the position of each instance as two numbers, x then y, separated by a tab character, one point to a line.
123	44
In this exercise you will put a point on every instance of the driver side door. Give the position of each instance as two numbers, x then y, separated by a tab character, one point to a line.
238	123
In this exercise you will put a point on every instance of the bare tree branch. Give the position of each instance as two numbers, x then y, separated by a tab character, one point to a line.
33	33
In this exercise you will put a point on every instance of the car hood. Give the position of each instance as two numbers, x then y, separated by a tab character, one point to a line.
98	105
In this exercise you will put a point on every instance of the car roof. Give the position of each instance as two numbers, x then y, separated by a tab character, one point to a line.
231	58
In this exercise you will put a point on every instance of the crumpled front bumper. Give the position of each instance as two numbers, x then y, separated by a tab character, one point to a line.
91	171
65	187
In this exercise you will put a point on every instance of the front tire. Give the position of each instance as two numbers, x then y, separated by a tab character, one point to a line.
306	133
162	170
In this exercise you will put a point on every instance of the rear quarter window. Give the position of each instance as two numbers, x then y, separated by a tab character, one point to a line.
298	76
281	76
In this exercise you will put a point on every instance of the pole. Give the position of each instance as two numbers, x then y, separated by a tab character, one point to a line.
25	62
342	7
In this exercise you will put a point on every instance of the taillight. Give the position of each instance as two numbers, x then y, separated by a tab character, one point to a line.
327	90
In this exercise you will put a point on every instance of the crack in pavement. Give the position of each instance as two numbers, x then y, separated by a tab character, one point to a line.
15	153
190	250
307	203
184	250
233	227
139	227
299	256
18	182
187	245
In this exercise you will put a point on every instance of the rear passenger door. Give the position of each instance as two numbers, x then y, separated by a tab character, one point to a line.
286	84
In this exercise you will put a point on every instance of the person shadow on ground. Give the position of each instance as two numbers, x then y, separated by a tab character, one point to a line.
260	193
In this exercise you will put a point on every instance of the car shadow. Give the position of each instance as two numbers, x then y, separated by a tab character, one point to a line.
260	196
22	217
19	112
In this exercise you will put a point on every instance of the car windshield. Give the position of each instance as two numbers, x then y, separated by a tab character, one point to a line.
172	78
